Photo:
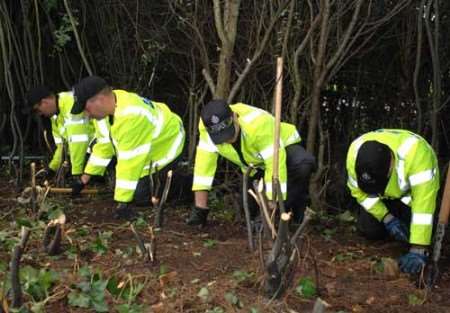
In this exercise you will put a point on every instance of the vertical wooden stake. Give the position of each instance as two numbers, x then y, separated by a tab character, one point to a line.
276	137
33	186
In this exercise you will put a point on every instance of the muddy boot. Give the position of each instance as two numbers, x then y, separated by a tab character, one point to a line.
198	216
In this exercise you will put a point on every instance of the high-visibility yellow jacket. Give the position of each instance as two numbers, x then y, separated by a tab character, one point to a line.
257	136
146	136
103	149
74	129
414	179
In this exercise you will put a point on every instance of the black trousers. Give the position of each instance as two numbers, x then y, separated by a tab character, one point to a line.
142	194
300	165
372	229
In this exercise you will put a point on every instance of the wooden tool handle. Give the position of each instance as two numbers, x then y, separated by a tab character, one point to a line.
445	203
69	190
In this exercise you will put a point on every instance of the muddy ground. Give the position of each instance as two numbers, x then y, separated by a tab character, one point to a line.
203	270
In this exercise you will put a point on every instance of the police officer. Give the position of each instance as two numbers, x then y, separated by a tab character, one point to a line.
394	176
146	136
243	134
73	129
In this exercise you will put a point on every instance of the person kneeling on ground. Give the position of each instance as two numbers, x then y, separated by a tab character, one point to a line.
394	176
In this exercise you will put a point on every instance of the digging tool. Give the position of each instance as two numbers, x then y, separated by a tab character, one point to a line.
282	255
246	208
159	218
147	249
439	233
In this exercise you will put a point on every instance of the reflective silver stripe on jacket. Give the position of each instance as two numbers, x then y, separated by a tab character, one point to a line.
369	202
402	152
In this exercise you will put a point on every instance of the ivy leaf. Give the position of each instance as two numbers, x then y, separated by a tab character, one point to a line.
23	222
306	287
203	294
79	299
130	308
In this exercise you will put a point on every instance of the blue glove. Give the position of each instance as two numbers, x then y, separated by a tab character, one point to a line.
396	228
413	261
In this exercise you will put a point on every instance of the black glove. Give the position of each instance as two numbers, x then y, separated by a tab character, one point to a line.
124	212
198	216
48	173
77	185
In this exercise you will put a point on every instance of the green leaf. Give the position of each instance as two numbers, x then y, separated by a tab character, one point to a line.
209	243
79	299
241	276
85	271
346	217
216	309
112	286
38	307
130	308
204	294
141	223
100	305
415	300
55	213
306	287
233	299
3	266
83	231
254	310
163	269
23	222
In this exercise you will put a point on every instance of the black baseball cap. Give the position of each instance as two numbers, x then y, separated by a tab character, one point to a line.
372	167
35	95
86	89
218	120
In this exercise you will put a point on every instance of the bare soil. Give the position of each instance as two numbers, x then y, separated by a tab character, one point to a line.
342	264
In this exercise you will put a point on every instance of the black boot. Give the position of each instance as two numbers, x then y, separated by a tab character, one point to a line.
198	216
124	212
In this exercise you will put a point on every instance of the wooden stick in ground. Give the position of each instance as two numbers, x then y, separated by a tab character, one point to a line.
151	247
246	209
320	306
307	217
265	207
159	219
53	235
276	135
33	186
16	290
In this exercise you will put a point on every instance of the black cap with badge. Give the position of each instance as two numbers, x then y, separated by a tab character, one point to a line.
86	89
372	167
35	95
218	120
